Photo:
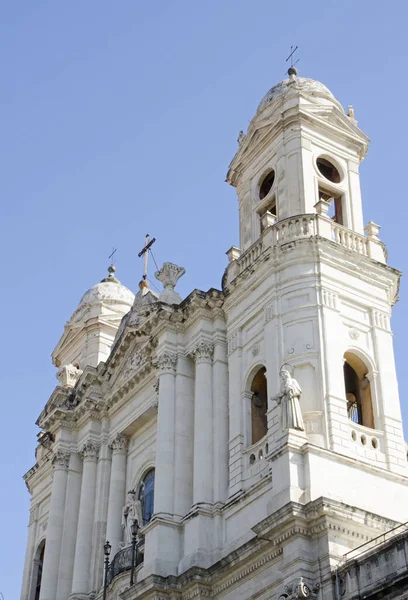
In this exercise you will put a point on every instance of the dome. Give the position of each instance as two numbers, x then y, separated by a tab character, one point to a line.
107	291
300	84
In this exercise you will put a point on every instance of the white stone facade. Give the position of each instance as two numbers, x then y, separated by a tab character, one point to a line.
242	508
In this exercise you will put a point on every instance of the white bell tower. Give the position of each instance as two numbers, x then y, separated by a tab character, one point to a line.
310	289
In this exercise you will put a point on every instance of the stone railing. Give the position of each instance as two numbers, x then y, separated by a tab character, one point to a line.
306	226
255	465
375	569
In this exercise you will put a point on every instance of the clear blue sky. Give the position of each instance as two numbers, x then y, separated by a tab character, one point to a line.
120	118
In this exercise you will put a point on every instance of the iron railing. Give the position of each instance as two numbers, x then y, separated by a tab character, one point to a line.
122	561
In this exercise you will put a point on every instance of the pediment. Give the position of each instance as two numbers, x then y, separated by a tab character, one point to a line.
336	118
124	369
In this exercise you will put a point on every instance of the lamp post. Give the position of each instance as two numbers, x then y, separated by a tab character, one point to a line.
107	549
134	529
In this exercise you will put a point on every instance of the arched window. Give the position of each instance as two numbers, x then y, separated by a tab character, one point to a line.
146	496
38	567
358	391
259	406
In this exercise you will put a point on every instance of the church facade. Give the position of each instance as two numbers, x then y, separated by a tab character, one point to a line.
239	443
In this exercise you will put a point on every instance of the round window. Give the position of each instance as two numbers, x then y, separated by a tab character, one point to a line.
266	185
328	170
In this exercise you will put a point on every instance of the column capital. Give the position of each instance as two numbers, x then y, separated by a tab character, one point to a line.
166	362
119	444
60	460
203	352
90	451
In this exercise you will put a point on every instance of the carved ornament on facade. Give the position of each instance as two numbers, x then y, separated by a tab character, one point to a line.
233	342
255	349
354	333
169	274
68	375
299	589
33	514
381	320
60	459
119	444
166	362
329	299
269	312
203	352
90	451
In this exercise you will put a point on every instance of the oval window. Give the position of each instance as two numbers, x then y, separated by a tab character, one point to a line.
266	185
328	170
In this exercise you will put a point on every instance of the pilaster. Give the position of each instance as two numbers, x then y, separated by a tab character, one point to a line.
117	491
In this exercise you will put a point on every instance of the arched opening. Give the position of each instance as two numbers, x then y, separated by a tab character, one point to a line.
358	391
146	496
259	406
37	571
266	184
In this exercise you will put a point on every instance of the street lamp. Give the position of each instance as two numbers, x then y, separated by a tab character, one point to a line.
107	549
134	528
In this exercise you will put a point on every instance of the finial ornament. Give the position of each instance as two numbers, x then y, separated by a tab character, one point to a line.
292	71
169	274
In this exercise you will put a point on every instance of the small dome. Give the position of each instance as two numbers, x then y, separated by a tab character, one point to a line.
300	84
110	291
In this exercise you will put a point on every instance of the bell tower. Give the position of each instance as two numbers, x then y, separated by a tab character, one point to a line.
300	148
309	290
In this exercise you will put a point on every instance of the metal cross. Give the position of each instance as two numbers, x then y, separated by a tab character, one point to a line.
145	251
292	52
112	253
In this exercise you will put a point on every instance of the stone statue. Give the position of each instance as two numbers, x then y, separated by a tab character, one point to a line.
131	511
288	400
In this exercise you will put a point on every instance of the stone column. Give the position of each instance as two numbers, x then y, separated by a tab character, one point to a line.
66	563
117	492
55	527
164	477
184	437
203	424
29	569
101	508
220	427
81	576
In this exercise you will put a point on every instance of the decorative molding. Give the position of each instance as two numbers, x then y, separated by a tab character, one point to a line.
60	459
381	320
354	333
300	589
329	299
270	312
166	362
90	451
33	514
203	352
119	444
68	375
234	342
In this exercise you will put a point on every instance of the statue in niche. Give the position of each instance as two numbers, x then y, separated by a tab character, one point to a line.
289	401
130	512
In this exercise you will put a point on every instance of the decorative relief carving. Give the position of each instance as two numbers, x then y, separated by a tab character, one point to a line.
166	362
33	514
381	320
329	298
270	312
299	589
169	274
68	375
234	342
135	361
119	444
354	333
255	350
203	352
90	451
60	459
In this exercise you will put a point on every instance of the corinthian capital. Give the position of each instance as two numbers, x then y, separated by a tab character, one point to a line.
203	352
60	459
90	451
167	362
119	444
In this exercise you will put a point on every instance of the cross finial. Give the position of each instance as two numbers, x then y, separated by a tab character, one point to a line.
112	254
145	251
292	69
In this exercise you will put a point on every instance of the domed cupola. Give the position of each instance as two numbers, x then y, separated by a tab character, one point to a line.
89	334
300	156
